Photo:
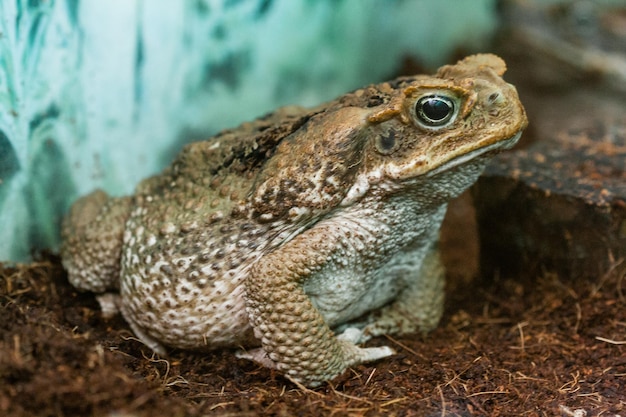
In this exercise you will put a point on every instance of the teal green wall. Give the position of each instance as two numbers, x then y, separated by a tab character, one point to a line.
101	93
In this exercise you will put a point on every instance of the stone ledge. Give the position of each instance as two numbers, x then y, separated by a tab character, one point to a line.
558	206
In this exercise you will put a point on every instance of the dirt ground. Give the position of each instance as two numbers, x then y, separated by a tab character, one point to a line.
525	346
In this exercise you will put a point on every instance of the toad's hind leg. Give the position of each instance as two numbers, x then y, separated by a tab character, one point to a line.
140	333
92	236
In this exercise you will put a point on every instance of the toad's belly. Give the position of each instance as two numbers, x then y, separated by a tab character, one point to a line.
340	299
344	294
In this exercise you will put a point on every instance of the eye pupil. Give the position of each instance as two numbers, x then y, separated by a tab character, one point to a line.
434	110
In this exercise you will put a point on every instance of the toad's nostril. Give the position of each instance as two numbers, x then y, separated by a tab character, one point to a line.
493	97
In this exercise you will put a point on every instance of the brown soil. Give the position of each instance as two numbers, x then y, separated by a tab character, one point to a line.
535	346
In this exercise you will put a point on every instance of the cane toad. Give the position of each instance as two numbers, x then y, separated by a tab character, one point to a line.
304	233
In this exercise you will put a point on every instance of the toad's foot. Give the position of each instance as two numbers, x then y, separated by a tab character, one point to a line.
353	353
259	356
109	304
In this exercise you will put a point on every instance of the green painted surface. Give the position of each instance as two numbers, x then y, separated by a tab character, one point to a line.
101	93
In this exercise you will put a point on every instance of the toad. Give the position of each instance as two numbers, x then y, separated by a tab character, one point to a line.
303	234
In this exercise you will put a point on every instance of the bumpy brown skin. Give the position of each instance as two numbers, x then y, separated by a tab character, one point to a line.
277	234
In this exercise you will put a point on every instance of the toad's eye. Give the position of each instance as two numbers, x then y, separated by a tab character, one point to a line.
434	110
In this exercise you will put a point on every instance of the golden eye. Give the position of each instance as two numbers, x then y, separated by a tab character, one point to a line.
435	110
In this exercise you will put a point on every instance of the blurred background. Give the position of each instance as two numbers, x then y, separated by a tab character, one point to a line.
100	94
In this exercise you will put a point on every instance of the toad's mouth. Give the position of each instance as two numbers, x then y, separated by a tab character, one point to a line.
494	148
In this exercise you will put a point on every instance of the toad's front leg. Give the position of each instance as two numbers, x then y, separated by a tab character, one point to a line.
295	338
